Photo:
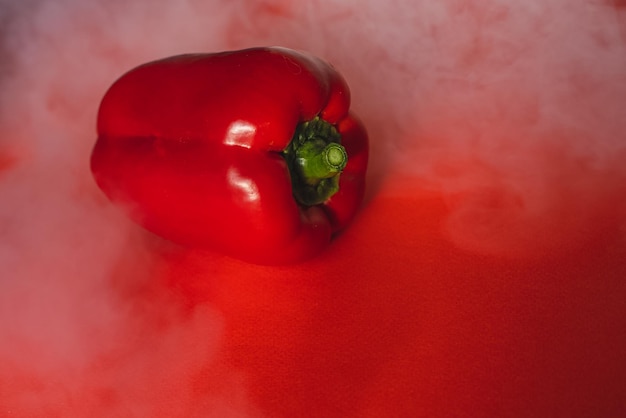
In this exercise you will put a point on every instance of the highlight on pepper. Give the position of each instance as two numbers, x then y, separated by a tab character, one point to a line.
182	142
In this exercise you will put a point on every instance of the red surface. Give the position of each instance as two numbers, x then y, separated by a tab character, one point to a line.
397	322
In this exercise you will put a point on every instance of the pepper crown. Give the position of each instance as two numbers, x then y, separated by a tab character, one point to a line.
315	159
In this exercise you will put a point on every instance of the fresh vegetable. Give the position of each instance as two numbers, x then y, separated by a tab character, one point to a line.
252	153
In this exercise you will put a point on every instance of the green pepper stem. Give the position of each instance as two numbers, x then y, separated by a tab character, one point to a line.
315	158
317	162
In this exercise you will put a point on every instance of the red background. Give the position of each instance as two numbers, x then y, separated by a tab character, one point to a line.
484	275
423	328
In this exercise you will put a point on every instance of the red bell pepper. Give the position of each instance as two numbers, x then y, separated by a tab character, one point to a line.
252	153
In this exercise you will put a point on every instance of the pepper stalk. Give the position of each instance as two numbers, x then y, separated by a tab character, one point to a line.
315	158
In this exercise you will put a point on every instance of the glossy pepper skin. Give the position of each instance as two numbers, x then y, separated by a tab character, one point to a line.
204	150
